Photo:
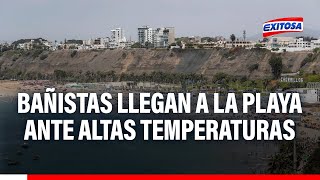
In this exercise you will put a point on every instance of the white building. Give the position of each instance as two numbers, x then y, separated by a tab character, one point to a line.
105	42
309	95
279	42
100	43
26	45
240	43
32	43
118	39
300	43
158	38
163	37
213	44
145	34
195	39
88	42
292	44
97	43
315	43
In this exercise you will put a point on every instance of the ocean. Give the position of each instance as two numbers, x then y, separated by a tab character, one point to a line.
136	156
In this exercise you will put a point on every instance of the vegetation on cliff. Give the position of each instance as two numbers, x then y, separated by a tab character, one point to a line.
234	66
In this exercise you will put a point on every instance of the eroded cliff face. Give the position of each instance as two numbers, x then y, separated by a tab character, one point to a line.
203	61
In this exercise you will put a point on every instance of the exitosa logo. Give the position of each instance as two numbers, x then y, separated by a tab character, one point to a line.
282	25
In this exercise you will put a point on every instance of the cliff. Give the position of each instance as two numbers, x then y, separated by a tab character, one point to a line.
240	62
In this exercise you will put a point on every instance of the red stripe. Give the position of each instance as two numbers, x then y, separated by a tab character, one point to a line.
276	32
286	19
173	177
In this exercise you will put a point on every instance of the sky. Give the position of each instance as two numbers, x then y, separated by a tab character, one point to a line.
84	19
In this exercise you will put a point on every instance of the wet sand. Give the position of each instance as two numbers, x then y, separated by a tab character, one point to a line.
9	88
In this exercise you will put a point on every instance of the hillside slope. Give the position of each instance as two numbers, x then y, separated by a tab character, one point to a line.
203	61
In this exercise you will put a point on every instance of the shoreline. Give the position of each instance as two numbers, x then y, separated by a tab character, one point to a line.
9	88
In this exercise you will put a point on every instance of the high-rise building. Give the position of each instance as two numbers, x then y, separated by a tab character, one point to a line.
171	35
145	34
159	37
117	38
163	37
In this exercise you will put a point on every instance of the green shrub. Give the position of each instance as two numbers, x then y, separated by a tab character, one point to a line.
309	58
258	46
27	53
226	54
313	164
276	66
43	56
124	55
136	45
73	53
37	53
316	50
253	67
282	161
220	76
312	77
189	46
15	57
231	54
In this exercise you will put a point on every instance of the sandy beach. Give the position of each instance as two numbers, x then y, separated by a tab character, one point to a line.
9	88
12	88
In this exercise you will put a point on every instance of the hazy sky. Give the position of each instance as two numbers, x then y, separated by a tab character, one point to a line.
60	19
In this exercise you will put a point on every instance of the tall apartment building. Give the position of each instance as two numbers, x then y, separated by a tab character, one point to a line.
159	37
117	38
145	34
163	37
171	35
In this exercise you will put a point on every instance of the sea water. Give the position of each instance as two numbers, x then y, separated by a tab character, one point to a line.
136	156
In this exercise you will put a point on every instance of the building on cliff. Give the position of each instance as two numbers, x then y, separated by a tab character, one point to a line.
145	35
292	44
118	39
158	38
